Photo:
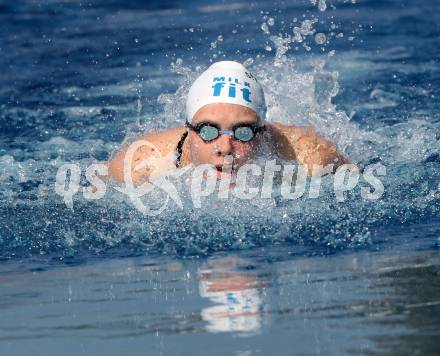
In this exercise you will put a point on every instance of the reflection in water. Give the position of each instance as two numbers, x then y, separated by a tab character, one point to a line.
361	302
237	295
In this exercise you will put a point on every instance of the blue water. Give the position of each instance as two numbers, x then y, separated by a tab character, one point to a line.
310	276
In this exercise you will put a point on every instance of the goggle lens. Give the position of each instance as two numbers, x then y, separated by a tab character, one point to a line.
208	133
244	133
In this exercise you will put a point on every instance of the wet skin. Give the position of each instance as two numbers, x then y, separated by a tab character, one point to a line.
301	144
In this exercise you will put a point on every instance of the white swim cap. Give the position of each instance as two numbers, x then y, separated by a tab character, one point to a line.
226	82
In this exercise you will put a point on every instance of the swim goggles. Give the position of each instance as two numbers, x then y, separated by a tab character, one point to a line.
209	131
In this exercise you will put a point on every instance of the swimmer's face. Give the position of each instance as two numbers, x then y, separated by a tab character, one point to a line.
226	117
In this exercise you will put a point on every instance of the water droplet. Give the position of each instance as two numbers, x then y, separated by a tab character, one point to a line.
248	62
265	28
320	38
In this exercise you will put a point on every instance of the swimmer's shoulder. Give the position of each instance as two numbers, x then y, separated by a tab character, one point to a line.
292	132
157	145
165	141
283	138
304	145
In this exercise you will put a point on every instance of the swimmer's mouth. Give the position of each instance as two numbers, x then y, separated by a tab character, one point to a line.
224	169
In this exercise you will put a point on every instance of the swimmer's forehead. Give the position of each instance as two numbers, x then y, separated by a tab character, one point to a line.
228	114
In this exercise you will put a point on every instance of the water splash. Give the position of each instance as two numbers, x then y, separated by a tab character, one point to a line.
306	29
299	91
322	5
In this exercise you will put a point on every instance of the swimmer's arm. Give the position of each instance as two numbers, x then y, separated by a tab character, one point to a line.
153	158
116	168
140	172
307	147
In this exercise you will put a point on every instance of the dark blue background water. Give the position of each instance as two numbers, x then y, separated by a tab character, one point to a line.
78	77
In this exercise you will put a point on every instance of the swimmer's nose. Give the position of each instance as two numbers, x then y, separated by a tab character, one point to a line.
223	145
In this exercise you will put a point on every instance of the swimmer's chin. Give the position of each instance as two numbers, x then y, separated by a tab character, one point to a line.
227	179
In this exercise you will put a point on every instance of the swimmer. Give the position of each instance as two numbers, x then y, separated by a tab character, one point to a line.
226	127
